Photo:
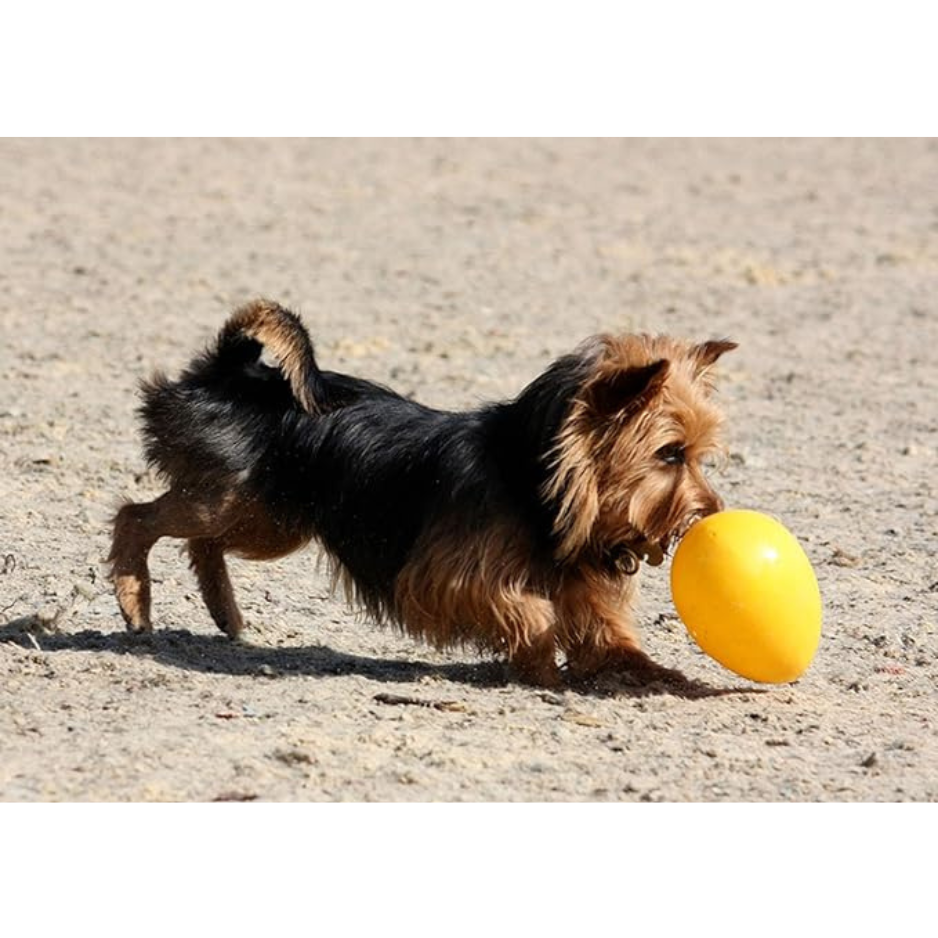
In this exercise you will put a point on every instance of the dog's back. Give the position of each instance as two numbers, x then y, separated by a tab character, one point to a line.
212	426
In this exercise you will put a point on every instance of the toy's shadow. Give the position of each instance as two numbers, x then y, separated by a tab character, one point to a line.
216	654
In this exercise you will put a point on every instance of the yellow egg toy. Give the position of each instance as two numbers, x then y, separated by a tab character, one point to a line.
746	591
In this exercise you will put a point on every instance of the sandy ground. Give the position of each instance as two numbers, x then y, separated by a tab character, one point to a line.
456	270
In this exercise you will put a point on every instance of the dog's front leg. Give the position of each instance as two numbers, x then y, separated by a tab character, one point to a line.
596	631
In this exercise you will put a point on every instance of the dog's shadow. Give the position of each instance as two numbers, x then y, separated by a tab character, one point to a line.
216	654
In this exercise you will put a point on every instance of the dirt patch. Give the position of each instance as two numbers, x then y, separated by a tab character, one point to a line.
456	271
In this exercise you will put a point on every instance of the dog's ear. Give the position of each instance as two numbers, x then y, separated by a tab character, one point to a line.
629	390
707	353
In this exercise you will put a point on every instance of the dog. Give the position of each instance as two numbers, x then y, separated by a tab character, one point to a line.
518	527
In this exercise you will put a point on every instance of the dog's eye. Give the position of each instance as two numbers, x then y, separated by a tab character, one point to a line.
672	454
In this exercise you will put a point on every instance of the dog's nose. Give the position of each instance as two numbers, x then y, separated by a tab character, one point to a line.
713	504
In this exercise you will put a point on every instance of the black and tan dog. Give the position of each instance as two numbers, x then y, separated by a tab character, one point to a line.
518	527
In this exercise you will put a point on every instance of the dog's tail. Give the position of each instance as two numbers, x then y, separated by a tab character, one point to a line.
285	338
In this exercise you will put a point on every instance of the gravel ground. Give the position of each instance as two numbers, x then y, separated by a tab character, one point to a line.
455	271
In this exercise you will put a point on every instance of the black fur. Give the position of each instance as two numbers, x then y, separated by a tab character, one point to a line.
366	474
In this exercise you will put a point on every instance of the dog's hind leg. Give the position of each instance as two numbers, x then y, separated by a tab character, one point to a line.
137	527
207	558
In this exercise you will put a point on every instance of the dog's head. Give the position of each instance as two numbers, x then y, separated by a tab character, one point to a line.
627	472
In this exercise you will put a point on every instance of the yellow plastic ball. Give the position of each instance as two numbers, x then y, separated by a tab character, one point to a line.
748	595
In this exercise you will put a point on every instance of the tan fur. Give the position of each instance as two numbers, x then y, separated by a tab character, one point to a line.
283	337
213	526
479	590
606	479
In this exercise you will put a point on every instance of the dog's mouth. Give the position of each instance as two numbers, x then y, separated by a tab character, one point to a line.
652	552
651	549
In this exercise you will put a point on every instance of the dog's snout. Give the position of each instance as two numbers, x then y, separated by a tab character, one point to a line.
709	504
715	504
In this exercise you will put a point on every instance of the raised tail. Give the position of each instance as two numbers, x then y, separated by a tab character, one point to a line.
285	338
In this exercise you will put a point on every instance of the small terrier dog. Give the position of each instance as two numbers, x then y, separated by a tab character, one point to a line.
518	527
